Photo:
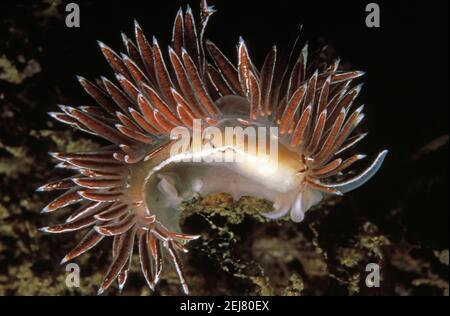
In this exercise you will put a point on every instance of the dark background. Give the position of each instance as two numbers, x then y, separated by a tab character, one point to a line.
405	91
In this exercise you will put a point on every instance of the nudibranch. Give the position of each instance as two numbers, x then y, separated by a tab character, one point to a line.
131	188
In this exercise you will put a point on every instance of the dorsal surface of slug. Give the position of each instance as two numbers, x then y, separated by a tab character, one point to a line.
131	189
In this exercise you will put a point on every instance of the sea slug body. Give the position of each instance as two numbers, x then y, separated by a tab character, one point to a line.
131	189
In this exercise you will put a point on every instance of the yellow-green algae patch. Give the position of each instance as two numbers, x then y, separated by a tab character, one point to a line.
10	73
